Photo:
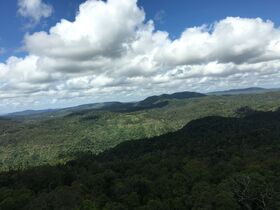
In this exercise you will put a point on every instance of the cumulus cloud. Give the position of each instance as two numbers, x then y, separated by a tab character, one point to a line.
35	10
233	39
111	51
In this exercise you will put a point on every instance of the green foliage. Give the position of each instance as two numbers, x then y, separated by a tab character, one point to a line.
211	163
55	139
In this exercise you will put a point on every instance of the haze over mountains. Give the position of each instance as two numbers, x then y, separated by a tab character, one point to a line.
146	103
250	90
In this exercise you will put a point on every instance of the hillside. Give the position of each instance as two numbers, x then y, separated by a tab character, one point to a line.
211	163
180	95
35	142
251	90
149	102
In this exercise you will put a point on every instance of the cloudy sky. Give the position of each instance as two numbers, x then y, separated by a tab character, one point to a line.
63	53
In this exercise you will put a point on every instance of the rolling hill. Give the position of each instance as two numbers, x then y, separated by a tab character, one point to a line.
150	102
180	95
250	90
29	141
211	163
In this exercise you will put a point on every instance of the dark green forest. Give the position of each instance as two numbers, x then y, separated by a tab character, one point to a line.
215	162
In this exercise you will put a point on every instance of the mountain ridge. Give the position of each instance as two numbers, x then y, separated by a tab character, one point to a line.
239	91
114	105
148	101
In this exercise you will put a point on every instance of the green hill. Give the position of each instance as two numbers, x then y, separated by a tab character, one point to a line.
26	142
250	90
180	95
211	163
148	103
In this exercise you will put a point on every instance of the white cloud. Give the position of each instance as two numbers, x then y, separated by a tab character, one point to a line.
110	52
35	10
100	29
233	39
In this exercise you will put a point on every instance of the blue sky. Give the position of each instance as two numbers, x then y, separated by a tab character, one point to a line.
112	51
181	14
176	16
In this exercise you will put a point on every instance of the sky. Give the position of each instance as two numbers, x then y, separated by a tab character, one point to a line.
65	53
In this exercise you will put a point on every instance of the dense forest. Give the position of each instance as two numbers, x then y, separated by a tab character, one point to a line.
223	163
58	136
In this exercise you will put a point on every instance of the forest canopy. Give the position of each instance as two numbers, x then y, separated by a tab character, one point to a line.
211	163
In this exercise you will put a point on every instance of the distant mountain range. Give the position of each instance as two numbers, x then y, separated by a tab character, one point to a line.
251	90
180	95
31	112
148	103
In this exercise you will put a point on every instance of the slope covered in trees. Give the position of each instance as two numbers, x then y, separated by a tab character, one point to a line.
148	103
180	95
251	90
211	163
32	142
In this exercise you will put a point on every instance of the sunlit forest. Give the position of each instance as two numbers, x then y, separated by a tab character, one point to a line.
211	163
59	136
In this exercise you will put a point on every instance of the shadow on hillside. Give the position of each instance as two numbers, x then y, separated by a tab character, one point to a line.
122	108
208	163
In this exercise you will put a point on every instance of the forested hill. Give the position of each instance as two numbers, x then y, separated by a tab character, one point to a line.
251	90
203	136
29	142
211	163
147	103
180	95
